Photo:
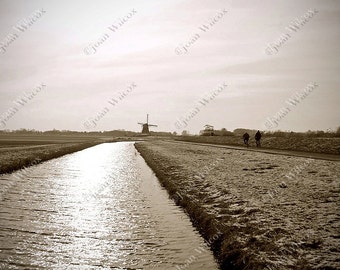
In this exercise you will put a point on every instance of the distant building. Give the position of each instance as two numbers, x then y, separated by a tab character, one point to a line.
207	131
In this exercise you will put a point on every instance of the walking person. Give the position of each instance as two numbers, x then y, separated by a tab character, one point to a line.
246	139
258	138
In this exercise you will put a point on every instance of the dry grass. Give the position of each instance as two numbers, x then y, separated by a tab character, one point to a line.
263	219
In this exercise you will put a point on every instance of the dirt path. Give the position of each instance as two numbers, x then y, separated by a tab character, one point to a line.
322	156
263	210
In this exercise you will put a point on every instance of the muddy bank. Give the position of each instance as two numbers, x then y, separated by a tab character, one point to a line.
15	158
257	210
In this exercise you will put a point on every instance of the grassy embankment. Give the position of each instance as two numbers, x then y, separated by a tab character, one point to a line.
204	222
238	202
295	143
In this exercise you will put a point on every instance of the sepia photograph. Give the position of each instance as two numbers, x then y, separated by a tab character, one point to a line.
172	134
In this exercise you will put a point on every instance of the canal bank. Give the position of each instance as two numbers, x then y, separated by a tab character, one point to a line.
256	210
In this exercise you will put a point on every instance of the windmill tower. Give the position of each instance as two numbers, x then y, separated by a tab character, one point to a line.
145	129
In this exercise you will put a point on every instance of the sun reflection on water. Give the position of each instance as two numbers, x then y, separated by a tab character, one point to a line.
96	176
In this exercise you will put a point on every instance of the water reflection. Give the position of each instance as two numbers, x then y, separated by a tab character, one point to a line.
101	208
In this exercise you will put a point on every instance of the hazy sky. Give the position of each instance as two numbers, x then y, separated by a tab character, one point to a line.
144	59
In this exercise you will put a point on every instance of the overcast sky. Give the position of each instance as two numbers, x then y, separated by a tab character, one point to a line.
169	81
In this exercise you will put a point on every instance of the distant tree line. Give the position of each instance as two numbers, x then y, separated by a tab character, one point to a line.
113	133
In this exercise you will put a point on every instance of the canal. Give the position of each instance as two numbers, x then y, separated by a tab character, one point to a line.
100	208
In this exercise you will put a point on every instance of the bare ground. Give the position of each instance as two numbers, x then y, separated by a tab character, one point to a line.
269	211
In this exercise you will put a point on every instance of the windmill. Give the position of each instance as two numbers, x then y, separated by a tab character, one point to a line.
145	129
